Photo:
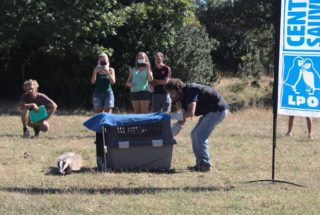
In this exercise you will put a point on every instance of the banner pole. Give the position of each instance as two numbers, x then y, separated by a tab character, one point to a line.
277	20
274	142
277	5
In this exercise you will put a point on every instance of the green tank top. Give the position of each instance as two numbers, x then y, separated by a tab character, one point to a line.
139	80
103	84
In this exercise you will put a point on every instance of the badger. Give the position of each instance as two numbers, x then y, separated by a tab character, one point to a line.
68	162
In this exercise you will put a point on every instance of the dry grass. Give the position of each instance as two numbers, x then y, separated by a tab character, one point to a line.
241	151
237	89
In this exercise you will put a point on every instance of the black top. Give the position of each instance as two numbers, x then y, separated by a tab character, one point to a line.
161	74
40	99
207	99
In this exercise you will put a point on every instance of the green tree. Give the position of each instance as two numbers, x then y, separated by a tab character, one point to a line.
244	29
53	41
60	27
57	42
191	55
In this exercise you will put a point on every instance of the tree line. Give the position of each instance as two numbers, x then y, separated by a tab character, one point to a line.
57	42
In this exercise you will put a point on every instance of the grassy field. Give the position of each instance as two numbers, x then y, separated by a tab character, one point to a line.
236	89
240	147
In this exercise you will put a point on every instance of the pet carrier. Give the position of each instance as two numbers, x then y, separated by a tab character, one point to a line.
132	141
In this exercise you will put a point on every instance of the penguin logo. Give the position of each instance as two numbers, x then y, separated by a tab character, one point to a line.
303	70
294	74
310	76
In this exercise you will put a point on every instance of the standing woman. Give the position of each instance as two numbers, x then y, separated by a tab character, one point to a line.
138	81
103	77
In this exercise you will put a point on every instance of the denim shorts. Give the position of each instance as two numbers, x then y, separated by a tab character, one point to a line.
140	96
103	100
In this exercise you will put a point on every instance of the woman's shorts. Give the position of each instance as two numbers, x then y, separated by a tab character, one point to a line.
103	100
140	96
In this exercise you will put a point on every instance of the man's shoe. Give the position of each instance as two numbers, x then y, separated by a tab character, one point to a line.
193	168
204	168
199	168
25	132
36	131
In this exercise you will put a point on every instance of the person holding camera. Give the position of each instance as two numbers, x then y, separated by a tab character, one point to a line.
32	100
198	100
138	82
103	76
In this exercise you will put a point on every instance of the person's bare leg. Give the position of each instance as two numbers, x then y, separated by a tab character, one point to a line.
107	110
25	121
290	125
145	106
98	110
42	126
136	106
309	125
24	117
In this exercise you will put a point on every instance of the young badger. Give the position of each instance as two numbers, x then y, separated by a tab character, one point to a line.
69	162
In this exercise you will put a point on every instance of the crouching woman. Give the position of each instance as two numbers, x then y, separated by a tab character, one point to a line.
31	100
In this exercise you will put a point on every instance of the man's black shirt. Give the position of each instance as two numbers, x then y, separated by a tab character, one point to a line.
207	99
160	74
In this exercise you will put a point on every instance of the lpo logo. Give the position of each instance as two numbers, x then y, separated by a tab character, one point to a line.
301	82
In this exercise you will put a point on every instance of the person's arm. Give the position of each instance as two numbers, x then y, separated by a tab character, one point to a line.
112	76
149	71
129	80
188	113
33	106
52	107
94	76
160	82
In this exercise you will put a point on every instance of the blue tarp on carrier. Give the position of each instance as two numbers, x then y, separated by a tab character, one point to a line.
97	121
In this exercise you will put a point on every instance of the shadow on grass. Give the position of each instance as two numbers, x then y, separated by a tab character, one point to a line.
54	171
12	135
70	137
43	136
113	190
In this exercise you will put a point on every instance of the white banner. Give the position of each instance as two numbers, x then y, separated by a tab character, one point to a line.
299	58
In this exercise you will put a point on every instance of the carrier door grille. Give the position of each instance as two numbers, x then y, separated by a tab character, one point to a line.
140	130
